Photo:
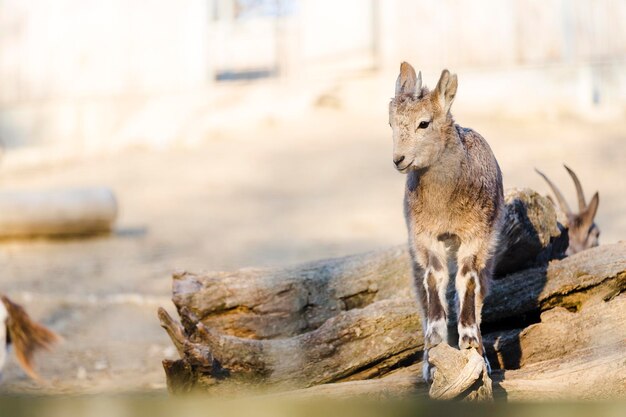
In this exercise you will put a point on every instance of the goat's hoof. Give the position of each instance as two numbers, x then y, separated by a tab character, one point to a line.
468	338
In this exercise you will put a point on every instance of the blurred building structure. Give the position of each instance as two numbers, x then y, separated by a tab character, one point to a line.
90	75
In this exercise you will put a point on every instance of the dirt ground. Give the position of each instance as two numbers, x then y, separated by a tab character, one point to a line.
317	185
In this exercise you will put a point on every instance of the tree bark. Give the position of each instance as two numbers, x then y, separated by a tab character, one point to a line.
559	366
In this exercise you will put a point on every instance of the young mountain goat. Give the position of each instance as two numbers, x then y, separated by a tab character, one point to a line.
453	194
581	229
26	336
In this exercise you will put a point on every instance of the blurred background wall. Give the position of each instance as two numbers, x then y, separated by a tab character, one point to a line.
92	75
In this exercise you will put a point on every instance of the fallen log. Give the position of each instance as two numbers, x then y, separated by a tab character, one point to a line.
570	354
355	340
389	330
597	321
56	213
271	302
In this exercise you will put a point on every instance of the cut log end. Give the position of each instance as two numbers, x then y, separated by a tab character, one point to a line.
459	374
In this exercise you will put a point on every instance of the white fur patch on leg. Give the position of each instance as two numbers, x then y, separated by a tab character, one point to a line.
436	332
468	337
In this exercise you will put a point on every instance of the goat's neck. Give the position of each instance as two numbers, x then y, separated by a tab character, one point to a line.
447	169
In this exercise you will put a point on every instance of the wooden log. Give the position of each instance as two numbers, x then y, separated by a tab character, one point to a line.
595	323
403	382
388	329
567	283
353	341
459	374
591	367
56	213
264	303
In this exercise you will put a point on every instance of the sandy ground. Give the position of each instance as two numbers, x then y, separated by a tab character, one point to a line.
312	186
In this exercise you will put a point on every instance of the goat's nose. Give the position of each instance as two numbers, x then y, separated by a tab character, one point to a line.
397	160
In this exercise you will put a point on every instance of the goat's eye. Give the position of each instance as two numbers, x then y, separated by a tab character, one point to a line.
423	125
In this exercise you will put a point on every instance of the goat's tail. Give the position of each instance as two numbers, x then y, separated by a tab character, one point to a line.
26	336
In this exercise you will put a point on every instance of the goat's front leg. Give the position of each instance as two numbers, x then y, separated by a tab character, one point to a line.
431	281
471	284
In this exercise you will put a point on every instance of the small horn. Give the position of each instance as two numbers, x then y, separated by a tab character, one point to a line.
557	193
590	212
579	190
418	83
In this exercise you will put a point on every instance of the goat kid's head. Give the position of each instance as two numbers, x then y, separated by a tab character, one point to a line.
582	231
418	118
26	336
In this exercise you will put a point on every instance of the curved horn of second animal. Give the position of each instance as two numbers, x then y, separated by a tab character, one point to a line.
562	203
590	212
582	205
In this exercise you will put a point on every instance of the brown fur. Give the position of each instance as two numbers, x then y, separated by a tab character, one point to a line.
468	314
453	192
26	336
435	309
582	231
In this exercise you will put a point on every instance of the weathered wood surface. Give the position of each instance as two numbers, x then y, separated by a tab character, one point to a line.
56	213
556	369
570	354
566	283
271	302
459	374
388	330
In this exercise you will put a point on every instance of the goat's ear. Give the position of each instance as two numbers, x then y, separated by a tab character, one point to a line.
408	83
446	90
590	212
